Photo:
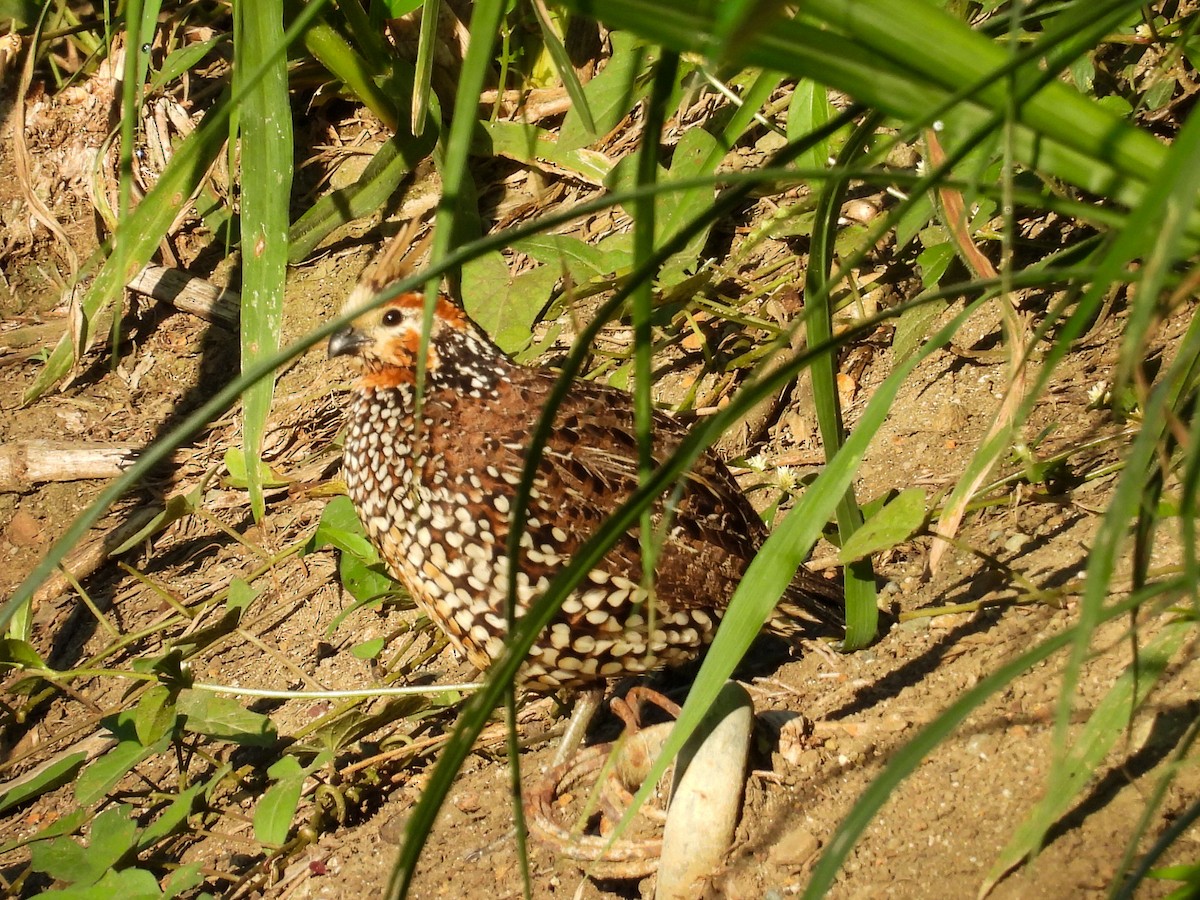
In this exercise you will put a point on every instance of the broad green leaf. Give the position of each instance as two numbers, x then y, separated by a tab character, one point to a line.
340	528
154	716
896	522
579	261
933	262
274	813
239	476
171	819
122	884
610	95
364	581
266	169
112	835
184	878
41	780
528	144
506	307
21	13
19	654
224	719
104	773
398	8
696	155
809	110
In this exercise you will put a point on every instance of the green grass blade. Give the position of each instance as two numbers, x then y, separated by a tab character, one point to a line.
423	77
398	156
862	614
1062	133
562	65
331	50
266	158
666	69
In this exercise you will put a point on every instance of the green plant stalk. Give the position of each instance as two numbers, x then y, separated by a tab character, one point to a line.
266	158
330	49
666	70
862	615
423	79
367	38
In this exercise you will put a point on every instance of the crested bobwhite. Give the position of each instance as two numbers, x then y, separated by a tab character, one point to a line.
436	496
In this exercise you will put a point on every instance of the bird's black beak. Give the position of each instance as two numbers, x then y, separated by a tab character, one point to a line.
347	342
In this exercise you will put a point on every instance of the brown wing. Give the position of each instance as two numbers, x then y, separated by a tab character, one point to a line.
707	530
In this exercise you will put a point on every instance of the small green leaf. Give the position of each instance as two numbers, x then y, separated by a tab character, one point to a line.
224	719
611	94
504	306
273	816
183	879
40	781
113	834
933	262
103	774
19	654
569	255
363	581
154	717
913	328
894	523
235	462
367	649
241	595
183	60
809	110
914	221
340	528
177	507
173	817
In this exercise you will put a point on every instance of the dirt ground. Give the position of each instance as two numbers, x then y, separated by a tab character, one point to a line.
939	833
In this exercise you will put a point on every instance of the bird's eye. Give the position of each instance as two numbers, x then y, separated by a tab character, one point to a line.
392	317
